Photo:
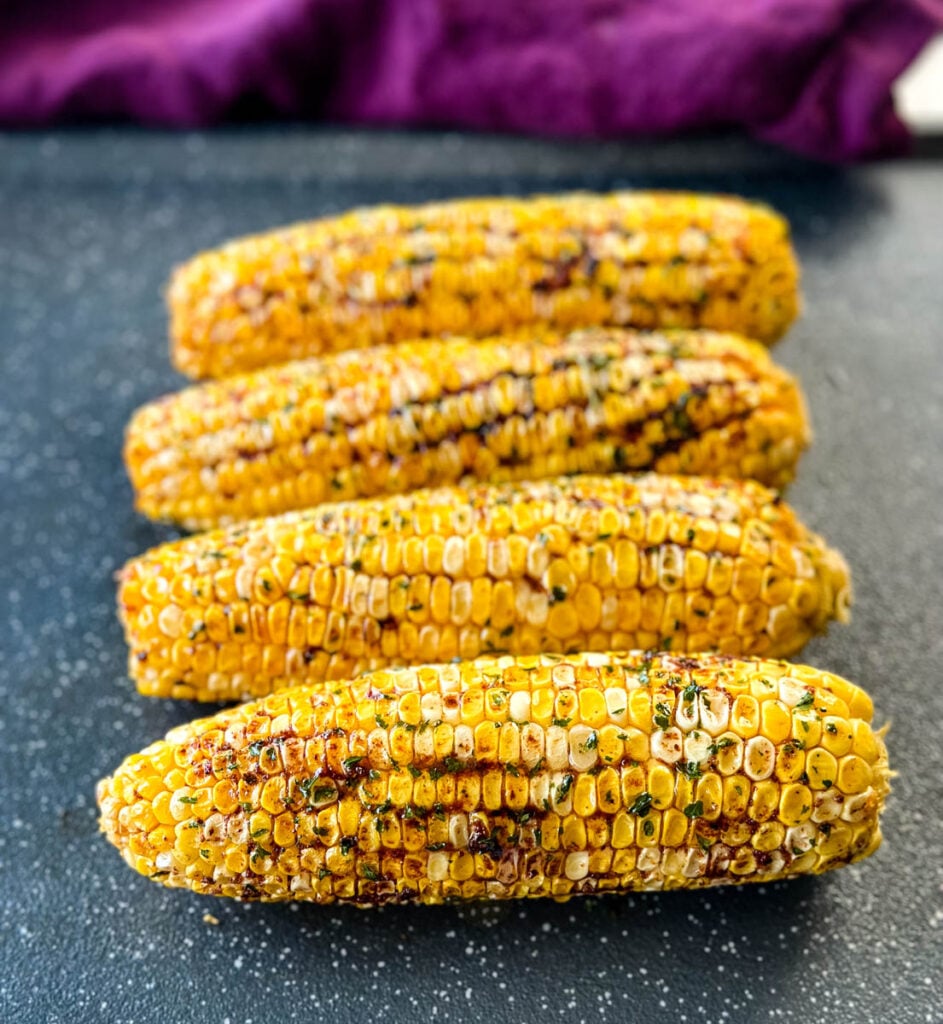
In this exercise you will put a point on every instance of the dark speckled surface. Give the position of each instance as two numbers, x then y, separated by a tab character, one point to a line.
89	225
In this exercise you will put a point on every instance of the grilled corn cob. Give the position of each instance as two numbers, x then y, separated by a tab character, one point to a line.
480	267
392	419
579	563
536	776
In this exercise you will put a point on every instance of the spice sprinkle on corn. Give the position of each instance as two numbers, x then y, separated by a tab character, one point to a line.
423	414
480	267
510	777
577	563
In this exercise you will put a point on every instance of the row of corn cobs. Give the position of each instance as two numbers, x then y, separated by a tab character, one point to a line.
449	616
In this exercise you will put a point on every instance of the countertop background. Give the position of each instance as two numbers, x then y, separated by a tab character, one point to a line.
90	223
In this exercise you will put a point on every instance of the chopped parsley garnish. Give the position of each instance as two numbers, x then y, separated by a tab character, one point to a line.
805	701
564	787
662	716
721	744
694	810
641	805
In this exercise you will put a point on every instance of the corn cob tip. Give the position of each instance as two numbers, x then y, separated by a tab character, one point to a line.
534	776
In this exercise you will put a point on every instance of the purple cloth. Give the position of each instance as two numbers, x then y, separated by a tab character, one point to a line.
814	75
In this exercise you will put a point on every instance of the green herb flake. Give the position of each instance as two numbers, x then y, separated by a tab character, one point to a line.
564	788
663	715
694	810
718	745
641	805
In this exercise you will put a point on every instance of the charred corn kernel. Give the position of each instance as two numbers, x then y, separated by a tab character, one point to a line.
500	823
341	635
421	414
480	267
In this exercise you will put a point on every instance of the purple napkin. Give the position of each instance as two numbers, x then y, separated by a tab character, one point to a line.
814	75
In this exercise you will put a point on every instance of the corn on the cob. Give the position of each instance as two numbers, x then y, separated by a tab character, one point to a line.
480	267
536	776
580	563
421	414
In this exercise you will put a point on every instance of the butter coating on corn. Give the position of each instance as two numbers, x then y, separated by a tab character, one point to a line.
480	267
421	414
577	563
500	778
